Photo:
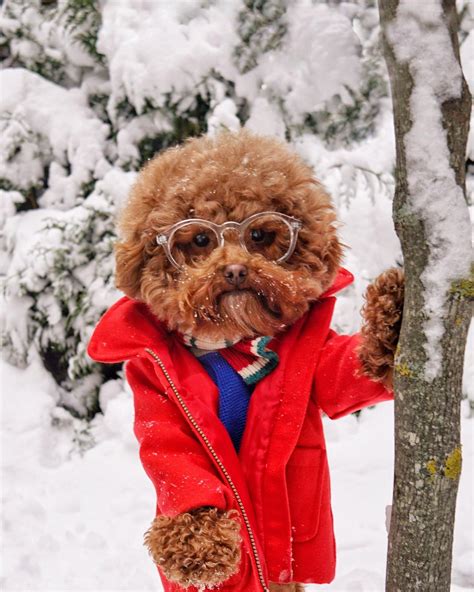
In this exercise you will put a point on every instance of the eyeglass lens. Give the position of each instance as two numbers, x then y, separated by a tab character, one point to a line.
267	235
192	242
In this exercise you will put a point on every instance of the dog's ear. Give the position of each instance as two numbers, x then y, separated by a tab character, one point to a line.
130	259
324	241
332	255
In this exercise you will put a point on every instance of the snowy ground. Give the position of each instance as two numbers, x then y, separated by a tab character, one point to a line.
76	522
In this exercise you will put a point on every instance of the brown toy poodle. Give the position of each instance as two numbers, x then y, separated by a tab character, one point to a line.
229	178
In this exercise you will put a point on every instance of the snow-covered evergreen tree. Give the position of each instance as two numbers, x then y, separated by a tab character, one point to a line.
91	90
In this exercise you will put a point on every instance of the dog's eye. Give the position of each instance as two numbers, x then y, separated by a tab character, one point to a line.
258	235
201	239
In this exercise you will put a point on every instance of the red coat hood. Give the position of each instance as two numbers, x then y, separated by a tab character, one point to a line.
129	327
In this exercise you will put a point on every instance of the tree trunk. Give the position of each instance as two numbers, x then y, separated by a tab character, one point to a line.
430	214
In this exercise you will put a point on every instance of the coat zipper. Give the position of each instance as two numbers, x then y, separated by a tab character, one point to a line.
219	463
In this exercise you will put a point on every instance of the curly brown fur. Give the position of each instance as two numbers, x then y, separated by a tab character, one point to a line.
229	177
196	548
382	315
286	587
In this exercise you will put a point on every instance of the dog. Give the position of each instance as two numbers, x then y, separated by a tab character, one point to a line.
229	259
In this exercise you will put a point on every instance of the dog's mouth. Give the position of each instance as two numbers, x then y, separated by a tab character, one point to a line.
246	312
239	298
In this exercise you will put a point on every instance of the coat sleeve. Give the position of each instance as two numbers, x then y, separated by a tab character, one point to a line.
183	475
338	387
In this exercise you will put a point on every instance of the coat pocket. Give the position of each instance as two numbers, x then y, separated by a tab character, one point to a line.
305	475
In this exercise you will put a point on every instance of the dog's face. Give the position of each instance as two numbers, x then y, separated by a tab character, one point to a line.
235	289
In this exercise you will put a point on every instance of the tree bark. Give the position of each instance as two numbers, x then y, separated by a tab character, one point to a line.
427	411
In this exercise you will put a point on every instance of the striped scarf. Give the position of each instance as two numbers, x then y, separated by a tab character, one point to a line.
252	359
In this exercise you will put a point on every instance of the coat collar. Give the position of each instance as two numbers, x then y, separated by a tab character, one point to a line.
129	327
343	279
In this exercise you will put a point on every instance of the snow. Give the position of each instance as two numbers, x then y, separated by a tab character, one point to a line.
76	500
41	122
318	59
36	39
420	38
468	375
147	43
74	519
39	243
224	117
71	521
264	119
164	50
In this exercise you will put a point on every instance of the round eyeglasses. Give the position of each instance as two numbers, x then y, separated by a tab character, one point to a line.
270	234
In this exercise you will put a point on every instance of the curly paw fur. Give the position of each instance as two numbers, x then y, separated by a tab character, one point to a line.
382	315
286	587
196	548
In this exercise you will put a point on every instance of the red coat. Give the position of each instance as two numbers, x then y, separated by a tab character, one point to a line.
279	480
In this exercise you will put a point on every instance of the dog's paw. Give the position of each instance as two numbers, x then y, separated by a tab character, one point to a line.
382	317
197	548
286	587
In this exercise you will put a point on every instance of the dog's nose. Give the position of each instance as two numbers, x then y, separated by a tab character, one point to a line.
235	274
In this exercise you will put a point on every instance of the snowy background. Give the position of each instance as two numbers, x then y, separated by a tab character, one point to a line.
91	90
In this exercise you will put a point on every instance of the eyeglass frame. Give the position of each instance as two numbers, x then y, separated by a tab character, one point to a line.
164	239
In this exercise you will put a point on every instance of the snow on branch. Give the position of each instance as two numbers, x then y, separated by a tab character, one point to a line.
419	36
